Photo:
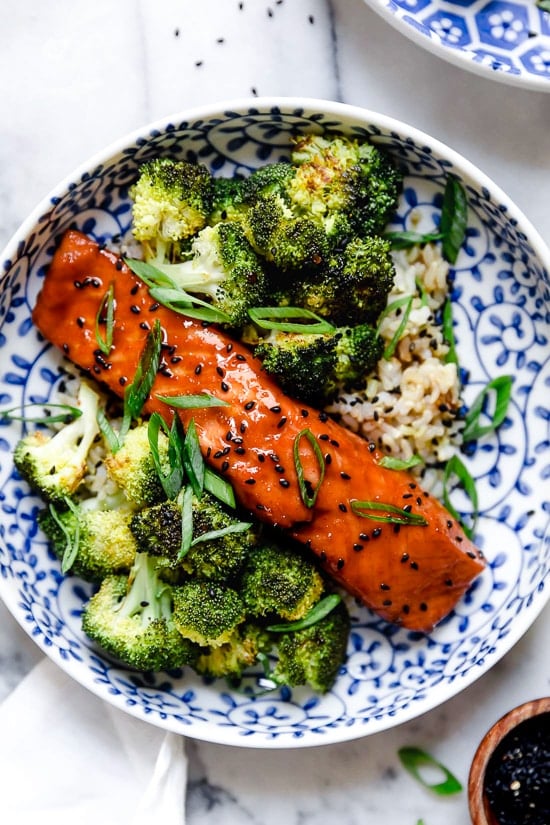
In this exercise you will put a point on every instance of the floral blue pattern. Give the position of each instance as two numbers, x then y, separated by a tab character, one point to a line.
505	39
501	295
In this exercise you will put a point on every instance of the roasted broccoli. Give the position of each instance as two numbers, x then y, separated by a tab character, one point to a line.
158	530
207	612
314	655
133	468
131	618
314	366
290	243
222	267
241	651
171	202
352	288
54	465
98	542
228	200
347	183
279	582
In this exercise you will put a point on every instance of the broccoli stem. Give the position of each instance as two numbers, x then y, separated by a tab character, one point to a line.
147	595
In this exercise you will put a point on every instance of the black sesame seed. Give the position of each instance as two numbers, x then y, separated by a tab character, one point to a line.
357	547
414	565
387	603
80	321
328	458
240	451
122	380
284	483
198	369
423	606
345	476
385	587
250	481
340	563
448	582
404	558
323	555
225	466
249	405
275	409
220	371
376	532
260	507
279	469
342	507
281	422
240	357
145	325
406	609
305	413
218	454
363	537
323	437
261	457
224	386
323	417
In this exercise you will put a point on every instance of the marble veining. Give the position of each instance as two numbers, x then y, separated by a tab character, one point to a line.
74	77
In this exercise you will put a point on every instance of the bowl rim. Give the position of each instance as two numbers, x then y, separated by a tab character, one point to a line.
478	806
278	104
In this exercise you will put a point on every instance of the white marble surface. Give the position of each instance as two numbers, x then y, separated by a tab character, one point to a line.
73	77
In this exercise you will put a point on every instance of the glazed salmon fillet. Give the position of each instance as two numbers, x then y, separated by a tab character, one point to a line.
410	574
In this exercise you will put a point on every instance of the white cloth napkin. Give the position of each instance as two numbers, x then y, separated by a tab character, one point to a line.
69	758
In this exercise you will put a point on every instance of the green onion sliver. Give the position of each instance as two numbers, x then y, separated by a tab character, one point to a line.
406	301
219	487
185	304
146	371
65	416
193	462
455	468
211	535
106	315
454	219
501	387
414	760
393	463
543	4
406	239
307	493
447	327
172	480
192	402
382	511
107	431
185	499
277	318
317	612
72	539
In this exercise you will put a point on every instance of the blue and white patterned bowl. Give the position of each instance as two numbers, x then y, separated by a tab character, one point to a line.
501	295
508	40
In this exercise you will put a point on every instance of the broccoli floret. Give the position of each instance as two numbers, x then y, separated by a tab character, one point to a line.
347	183
206	612
288	242
279	582
158	530
233	657
314	655
313	367
228	200
271	179
102	539
171	202
223	268
133	468
54	465
353	286
131	618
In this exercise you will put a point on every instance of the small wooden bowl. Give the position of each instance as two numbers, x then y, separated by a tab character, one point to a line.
480	811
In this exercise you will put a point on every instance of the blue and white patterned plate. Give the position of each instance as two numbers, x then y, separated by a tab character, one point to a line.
508	40
501	295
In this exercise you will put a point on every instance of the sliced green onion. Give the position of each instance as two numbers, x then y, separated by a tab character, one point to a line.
192	402
185	304
238	527
270	318
72	539
414	760
219	487
172	480
455	468
185	499
107	431
392	514
406	239
69	414
106	315
317	612
448	332
167	292
308	495
501	387
454	219
193	461
136	393
543	4
406	301
393	463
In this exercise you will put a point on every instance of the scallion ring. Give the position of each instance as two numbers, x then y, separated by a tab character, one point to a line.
307	492
415	759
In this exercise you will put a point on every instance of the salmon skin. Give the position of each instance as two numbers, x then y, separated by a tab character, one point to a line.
410	574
